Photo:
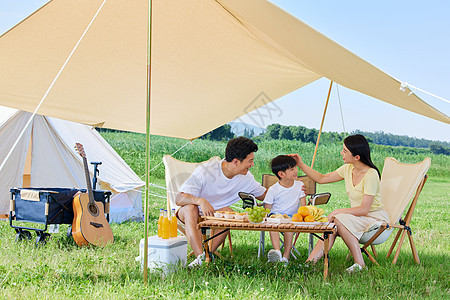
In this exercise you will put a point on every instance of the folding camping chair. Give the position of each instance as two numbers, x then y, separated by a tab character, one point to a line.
177	172
312	198
399	183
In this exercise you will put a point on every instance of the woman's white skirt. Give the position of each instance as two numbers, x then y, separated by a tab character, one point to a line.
357	225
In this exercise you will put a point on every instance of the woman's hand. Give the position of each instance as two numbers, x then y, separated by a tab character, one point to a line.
361	210
297	158
314	175
333	214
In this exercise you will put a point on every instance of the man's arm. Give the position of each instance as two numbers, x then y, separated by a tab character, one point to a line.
183	199
262	196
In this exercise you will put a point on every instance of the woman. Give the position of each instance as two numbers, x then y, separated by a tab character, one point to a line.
362	183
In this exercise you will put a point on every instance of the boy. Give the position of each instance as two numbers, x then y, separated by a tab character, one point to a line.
284	197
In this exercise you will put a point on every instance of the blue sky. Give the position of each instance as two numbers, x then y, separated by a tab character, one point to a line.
409	40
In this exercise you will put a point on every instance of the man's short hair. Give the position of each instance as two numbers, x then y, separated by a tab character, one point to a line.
239	148
282	163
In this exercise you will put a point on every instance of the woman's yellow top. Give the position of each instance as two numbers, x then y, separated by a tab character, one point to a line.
369	185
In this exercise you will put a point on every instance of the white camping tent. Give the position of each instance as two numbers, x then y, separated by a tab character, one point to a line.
45	157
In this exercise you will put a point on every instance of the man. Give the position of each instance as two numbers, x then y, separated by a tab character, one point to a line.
215	186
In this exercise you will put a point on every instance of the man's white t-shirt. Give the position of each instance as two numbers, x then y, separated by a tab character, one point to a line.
285	200
208	182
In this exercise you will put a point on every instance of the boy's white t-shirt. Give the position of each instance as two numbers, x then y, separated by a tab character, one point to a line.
208	182
285	200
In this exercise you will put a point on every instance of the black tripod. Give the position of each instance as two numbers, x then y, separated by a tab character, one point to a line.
96	172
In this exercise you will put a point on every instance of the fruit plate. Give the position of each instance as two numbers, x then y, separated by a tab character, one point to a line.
309	223
277	220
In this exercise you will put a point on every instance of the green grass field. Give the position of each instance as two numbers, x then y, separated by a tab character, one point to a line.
61	269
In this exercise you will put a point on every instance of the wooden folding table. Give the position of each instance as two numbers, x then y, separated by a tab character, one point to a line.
223	225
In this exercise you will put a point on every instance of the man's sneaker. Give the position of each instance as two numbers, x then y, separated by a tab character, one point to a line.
274	255
198	261
285	261
354	268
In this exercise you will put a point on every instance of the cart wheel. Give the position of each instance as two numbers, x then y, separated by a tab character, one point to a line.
23	235
42	238
69	231
19	237
27	234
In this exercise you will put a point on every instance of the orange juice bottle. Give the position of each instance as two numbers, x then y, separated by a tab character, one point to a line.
173	224
165	226
161	216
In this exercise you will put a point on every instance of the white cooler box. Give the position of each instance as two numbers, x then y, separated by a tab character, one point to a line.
164	254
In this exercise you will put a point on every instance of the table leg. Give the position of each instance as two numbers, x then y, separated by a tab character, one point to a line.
262	237
205	245
325	252
310	243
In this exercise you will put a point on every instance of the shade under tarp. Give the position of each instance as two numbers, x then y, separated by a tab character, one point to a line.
210	61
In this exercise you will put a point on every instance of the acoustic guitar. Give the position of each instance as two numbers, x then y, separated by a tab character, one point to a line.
89	224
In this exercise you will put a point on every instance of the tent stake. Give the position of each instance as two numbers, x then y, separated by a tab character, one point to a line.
147	138
321	125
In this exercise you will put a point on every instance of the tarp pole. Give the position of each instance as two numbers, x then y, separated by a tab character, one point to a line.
321	125
147	138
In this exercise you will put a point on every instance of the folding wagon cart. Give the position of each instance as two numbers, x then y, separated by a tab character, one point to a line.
45	206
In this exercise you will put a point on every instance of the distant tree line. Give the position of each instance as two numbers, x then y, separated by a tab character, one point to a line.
383	138
307	135
249	133
300	133
222	133
438	148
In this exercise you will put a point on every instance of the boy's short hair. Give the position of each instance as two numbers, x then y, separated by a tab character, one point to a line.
282	163
239	148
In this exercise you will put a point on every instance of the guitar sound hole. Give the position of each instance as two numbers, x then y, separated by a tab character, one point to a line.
93	209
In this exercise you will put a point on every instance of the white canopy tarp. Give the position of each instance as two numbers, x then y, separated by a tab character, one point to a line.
54	162
210	60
